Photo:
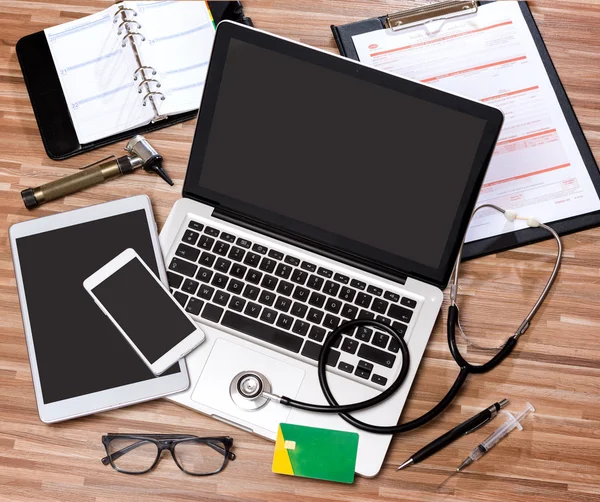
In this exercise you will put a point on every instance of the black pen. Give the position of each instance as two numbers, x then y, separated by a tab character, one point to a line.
472	424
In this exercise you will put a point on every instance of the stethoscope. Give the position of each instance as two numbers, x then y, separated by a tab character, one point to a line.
251	390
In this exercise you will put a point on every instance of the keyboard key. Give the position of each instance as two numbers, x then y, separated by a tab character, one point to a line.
222	265
212	231
300	327
299	276
207	259
269	282
315	282
204	274
268	316
228	237
268	265
187	252
283	303
308	266
285	321
364	333
235	286
285	288
348	368
394	345
220	280
400	313
206	242
315	316
325	272
375	355
301	293
375	290
380	339
317	300
183	267
384	320
189	286
244	243
379	306
205	292
292	261
190	237
194	225
408	302
317	333
365	314
221	298
237	303
379	379
236	253
174	279
358	284
331	288
349	311
253	276
252	309
194	306
393	297
333	305
238	271
299	310
252	259
331	321
267	298
362	373
399	327
276	254
312	351
258	330
363	300
349	345
365	365
221	248
347	294
341	278
180	297
259	249
283	270
212	312
251	292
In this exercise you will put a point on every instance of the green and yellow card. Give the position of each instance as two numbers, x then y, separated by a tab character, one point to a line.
315	453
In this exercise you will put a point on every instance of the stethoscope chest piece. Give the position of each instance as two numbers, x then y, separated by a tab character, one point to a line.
247	390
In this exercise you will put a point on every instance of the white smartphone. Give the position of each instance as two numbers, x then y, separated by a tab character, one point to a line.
144	311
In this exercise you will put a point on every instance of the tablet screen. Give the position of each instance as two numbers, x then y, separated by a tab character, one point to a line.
78	349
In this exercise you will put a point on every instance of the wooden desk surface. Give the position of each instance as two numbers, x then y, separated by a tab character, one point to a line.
556	365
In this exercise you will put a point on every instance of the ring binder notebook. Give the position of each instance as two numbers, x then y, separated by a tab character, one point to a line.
126	81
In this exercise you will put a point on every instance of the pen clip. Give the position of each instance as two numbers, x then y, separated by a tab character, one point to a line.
479	426
99	162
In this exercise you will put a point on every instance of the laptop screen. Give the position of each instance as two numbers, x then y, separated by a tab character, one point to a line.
337	155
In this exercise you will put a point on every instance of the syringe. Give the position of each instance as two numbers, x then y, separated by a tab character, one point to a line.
493	439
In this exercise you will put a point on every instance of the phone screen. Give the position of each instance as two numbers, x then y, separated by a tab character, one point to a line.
144	310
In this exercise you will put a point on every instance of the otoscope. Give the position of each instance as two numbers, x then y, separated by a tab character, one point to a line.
141	155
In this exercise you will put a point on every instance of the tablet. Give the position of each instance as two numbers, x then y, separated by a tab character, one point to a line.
80	362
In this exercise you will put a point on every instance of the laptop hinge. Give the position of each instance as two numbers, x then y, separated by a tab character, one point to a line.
308	244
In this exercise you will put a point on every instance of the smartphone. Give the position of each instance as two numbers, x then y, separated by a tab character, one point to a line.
144	311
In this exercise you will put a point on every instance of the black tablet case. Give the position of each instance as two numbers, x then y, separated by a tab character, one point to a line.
49	103
343	38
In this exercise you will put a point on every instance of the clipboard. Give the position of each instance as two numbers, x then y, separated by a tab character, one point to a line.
453	9
50	105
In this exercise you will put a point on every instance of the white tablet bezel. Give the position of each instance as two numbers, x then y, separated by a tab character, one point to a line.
110	398
176	352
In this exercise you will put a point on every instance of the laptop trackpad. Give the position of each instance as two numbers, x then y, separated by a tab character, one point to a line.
226	360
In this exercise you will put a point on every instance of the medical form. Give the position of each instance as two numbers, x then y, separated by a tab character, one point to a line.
491	56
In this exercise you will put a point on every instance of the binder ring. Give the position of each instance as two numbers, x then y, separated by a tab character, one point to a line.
135	76
147	81
131	35
139	26
123	9
151	95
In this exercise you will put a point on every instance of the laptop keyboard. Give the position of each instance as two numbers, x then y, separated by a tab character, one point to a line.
285	301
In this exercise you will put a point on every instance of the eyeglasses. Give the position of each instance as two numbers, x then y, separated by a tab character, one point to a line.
140	453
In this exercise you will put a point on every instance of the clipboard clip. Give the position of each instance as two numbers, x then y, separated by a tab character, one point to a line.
436	12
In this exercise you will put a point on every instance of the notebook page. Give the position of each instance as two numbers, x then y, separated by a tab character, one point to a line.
96	77
179	37
536	168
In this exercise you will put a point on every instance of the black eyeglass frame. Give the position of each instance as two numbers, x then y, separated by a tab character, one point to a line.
167	442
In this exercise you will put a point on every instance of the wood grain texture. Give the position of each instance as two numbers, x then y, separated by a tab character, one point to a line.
556	365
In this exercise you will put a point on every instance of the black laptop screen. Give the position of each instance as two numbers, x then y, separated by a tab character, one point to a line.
366	166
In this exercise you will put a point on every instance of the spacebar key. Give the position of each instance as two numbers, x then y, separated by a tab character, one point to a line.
262	331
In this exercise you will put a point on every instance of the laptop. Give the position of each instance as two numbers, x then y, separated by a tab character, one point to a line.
318	190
